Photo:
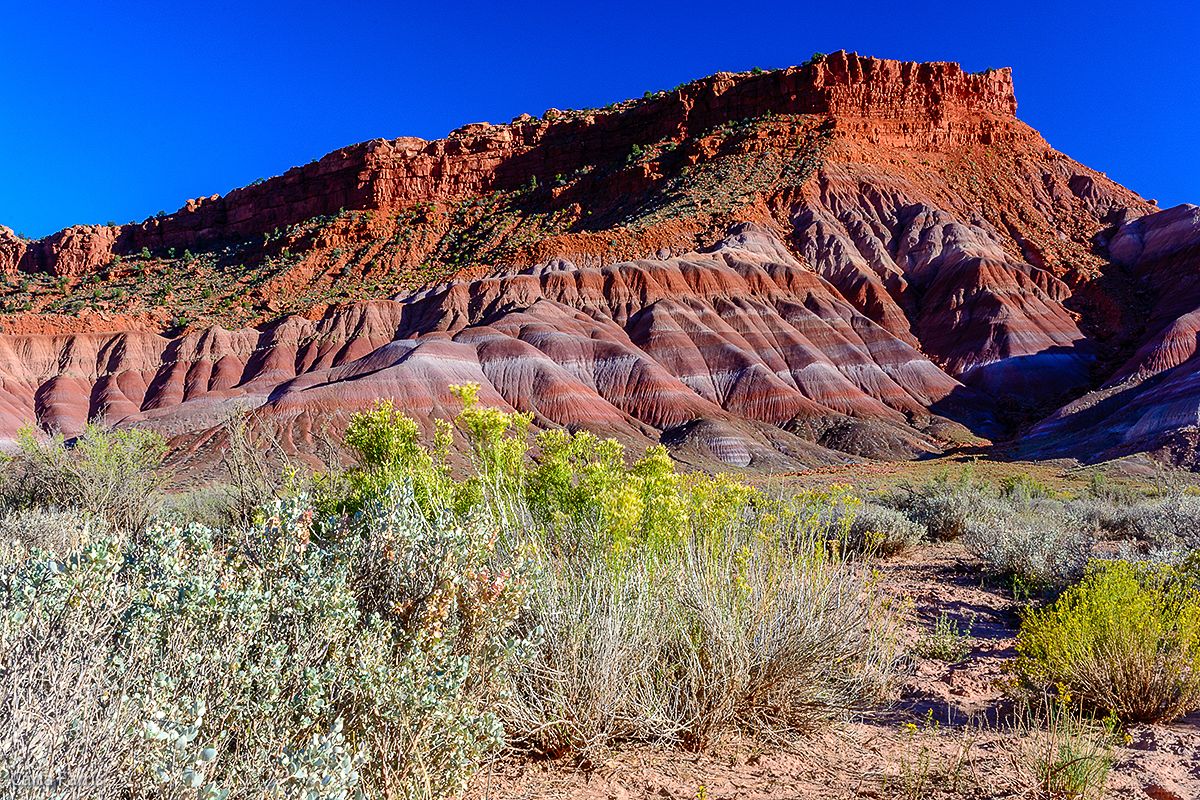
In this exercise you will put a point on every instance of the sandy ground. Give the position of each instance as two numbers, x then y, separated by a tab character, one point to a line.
952	731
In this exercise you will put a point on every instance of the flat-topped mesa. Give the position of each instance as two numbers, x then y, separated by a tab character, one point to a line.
913	105
904	104
866	255
883	88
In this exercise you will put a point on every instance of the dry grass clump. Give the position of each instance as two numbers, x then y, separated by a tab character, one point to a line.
733	629
1047	749
1061	752
948	641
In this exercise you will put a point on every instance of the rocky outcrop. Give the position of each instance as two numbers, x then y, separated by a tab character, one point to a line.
855	257
12	250
709	350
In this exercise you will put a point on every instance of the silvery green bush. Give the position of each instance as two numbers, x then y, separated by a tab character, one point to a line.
1042	544
944	505
365	657
855	527
1172	521
874	529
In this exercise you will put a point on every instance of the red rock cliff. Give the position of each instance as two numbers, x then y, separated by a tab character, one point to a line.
914	105
865	254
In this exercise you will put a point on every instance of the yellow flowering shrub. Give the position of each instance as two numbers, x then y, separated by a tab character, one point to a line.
387	446
497	439
580	490
1126	639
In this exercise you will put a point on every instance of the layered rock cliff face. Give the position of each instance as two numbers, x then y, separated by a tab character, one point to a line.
1151	402
912	105
855	257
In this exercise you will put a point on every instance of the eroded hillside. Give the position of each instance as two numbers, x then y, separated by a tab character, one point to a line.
854	257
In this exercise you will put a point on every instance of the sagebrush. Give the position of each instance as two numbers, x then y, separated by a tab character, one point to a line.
212	668
381	639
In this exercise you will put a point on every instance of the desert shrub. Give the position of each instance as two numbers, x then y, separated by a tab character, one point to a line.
948	641
1023	487
257	469
1171	521
580	483
943	505
498	448
208	505
857	528
63	730
42	529
166	665
1125	640
111	473
1153	555
1039	545
1091	515
879	530
718	617
667	607
387	446
576	477
1100	487
587	499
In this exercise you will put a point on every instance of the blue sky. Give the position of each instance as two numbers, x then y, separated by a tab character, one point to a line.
115	111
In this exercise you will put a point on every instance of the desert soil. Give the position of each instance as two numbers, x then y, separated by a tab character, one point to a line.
951	732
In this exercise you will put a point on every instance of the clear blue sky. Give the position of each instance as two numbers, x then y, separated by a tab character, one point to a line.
114	111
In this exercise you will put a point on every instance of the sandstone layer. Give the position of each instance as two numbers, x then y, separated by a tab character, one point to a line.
1152	401
854	257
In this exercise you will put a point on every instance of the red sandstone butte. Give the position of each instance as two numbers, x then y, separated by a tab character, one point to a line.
852	258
